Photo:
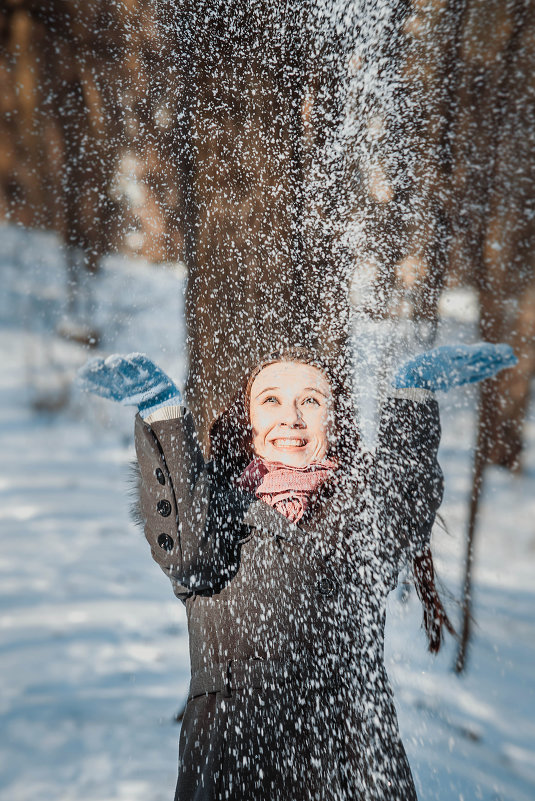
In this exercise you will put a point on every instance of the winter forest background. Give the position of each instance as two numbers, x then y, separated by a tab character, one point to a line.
201	180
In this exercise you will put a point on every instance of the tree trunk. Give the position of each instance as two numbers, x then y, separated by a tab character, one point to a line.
253	281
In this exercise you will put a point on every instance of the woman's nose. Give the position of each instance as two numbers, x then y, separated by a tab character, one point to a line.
293	418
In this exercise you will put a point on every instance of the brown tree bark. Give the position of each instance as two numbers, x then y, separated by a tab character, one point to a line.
433	70
253	272
495	156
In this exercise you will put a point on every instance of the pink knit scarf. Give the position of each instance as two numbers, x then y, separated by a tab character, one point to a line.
288	489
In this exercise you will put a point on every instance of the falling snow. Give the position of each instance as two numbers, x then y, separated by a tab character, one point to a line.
334	173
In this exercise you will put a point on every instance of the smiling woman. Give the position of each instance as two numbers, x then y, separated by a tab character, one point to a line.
284	548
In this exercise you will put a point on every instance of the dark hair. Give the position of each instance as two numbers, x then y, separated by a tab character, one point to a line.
230	433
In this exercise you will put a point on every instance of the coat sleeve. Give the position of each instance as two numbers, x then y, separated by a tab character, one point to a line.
408	481
193	526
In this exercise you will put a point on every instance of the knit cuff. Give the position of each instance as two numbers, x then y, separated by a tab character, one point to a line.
168	410
418	394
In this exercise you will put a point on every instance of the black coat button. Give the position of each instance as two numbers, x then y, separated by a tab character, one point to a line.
165	542
160	476
326	586
164	508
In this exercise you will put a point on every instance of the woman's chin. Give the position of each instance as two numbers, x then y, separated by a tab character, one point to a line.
293	457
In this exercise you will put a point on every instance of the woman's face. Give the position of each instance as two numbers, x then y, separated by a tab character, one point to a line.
290	407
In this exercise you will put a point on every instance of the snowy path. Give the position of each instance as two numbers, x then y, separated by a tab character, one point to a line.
93	644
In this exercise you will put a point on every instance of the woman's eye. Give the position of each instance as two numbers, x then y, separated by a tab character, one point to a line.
312	400
270	399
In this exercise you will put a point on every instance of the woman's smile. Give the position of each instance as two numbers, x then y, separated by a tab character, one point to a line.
289	443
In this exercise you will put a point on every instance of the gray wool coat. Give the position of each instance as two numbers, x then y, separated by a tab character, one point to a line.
289	698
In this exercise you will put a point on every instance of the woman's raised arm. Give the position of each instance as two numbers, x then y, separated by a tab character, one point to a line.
408	476
193	526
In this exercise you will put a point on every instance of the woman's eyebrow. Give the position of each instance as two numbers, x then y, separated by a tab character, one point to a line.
267	389
315	389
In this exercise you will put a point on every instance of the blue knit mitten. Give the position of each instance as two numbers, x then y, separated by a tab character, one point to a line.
452	365
132	380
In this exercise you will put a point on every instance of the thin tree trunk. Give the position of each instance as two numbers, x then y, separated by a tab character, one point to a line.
478	474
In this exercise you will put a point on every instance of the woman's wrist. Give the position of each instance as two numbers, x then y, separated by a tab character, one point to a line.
150	407
418	394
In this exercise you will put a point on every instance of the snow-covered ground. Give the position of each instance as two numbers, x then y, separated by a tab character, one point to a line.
93	643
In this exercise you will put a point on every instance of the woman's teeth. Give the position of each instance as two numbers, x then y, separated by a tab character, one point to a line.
289	443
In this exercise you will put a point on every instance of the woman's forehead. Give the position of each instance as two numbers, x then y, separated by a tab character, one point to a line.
290	375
